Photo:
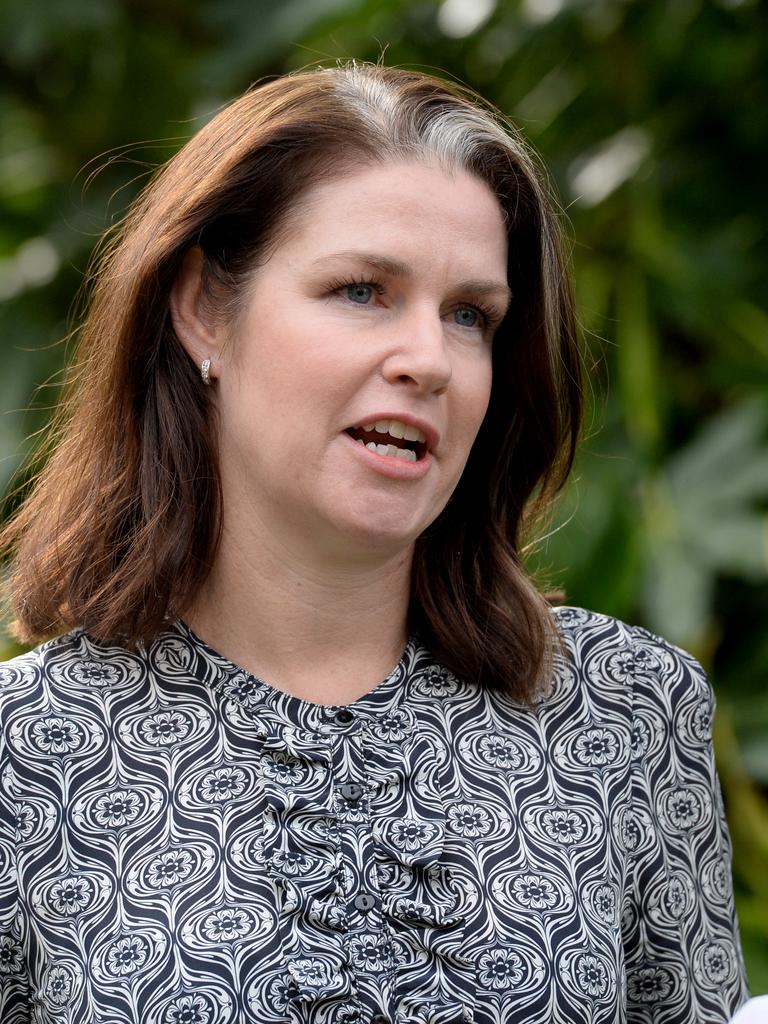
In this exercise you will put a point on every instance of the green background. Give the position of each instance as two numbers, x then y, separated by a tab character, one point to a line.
652	119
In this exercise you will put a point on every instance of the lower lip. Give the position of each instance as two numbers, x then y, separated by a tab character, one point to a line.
389	465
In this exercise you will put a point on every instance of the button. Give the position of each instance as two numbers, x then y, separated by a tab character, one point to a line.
351	791
379	1018
364	902
344	717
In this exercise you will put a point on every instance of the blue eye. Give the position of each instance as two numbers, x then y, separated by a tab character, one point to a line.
466	316
359	293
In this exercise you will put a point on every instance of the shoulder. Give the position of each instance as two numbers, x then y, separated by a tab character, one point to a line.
585	632
25	679
27	670
69	665
35	664
603	650
59	700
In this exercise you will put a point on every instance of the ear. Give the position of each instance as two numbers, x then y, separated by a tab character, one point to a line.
191	315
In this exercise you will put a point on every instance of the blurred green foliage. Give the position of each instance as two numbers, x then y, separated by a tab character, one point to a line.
651	117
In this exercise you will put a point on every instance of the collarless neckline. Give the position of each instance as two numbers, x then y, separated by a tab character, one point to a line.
246	688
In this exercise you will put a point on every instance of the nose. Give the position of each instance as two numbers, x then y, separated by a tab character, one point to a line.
418	355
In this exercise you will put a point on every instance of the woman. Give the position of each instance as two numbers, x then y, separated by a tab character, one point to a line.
329	369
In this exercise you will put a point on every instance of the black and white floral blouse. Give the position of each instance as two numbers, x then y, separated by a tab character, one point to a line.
180	843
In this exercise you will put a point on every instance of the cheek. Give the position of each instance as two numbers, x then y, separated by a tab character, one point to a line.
273	366
476	395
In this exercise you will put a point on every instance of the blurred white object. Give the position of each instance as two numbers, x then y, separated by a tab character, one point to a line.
753	1012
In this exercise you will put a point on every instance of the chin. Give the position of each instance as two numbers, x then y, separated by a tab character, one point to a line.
386	537
380	534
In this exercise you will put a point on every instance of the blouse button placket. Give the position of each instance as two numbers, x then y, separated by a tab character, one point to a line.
365	915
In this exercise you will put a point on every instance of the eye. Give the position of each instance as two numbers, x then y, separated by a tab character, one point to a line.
360	292
467	316
478	316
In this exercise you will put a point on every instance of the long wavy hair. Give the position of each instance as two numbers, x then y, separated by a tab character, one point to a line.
123	521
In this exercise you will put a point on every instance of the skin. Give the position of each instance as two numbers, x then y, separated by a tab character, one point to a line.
310	586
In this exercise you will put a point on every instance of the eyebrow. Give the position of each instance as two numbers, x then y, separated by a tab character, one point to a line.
396	268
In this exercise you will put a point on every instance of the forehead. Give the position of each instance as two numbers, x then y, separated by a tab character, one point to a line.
401	206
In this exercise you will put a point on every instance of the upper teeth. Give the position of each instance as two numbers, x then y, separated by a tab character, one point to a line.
396	428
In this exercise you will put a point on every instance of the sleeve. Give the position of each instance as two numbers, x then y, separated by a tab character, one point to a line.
14	989
682	951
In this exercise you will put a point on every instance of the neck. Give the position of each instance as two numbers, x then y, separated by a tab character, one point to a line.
325	632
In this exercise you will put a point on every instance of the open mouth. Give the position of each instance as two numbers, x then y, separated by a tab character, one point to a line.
392	438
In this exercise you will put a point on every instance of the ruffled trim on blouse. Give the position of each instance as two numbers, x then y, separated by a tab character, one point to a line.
423	920
303	856
423	905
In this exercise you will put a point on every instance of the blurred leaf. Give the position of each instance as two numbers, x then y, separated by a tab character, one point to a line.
678	591
730	453
718	482
702	516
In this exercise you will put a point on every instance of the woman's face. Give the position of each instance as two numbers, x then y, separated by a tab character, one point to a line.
377	308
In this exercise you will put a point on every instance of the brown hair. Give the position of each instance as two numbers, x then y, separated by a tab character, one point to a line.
121	527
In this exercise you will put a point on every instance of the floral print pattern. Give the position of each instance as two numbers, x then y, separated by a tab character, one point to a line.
500	969
127	955
56	735
181	843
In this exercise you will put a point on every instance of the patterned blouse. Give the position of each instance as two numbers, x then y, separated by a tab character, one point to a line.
181	843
